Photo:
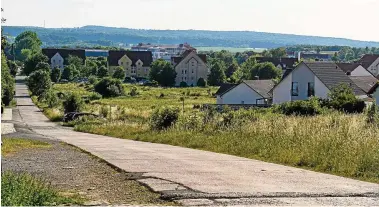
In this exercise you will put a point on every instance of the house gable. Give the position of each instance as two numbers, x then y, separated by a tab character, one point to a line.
240	94
57	61
360	71
124	61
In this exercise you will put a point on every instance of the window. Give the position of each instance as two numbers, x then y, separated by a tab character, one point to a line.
53	61
192	70
122	63
311	89
59	61
192	78
193	63
295	89
182	72
185	72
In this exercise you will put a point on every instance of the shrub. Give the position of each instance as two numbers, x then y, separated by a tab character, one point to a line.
51	99
73	103
307	107
39	83
13	68
102	72
104	111
163	118
183	84
56	75
201	82
7	82
70	73
43	66
133	91
342	98
119	73
94	96
92	80
161	96
109	87
373	114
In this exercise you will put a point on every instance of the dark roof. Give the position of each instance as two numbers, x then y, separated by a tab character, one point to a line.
331	75
348	67
224	88
262	87
176	60
283	62
364	82
286	72
115	55
315	56
50	52
367	60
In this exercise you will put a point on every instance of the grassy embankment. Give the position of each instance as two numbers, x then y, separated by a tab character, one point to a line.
333	143
22	189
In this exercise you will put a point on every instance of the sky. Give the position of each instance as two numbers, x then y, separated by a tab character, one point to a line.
353	19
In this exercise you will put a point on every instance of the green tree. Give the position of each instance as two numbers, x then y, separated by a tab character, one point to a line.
231	69
109	87
56	75
278	52
201	82
39	83
265	71
217	75
162	72
335	57
119	73
25	54
102	72
12	68
7	82
70	73
27	40
247	66
31	63
73	103
77	61
43	66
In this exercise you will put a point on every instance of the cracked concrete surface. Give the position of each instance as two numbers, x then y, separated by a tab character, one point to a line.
194	177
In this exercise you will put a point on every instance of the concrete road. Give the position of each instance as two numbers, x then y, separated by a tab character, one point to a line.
195	177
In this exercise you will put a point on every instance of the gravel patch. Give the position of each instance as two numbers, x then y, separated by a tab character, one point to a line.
76	173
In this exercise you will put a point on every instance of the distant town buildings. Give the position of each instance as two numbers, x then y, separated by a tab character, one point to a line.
164	52
58	57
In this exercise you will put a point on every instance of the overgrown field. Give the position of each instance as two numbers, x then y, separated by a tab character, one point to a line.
332	142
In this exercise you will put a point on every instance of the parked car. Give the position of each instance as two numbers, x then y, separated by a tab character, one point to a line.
71	116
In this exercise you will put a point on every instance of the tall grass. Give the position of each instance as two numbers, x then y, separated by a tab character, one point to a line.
11	145
334	143
26	190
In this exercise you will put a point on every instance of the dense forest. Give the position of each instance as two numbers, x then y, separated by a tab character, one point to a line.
110	36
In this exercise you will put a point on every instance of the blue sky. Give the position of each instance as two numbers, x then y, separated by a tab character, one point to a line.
355	19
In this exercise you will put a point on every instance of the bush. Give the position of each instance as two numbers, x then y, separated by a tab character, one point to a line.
39	83
183	84
92	80
56	75
163	118
307	107
43	66
51	99
201	82
133	91
119	73
13	68
25	190
7	82
342	98
73	103
70	73
94	96
373	114
109	87
102	72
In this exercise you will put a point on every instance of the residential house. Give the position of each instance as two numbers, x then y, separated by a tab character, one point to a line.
364	82
374	92
249	92
163	51
136	63
354	69
312	79
371	63
190	67
59	57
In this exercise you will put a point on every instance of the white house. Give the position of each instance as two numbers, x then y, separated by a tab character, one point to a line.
354	69
371	63
312	79
248	92
58	57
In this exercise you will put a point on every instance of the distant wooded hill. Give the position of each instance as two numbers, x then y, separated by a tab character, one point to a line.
110	36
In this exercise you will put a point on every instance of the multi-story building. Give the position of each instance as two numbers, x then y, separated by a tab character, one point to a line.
164	52
58	57
190	67
136	63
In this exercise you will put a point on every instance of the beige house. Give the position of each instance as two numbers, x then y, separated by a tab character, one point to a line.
190	67
136	63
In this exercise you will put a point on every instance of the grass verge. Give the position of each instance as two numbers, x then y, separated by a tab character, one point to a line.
26	190
12	145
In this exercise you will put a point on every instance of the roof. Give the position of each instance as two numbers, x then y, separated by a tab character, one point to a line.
331	75
348	67
262	87
373	89
176	60
50	52
286	72
283	62
364	82
367	60
115	55
315	56
224	88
